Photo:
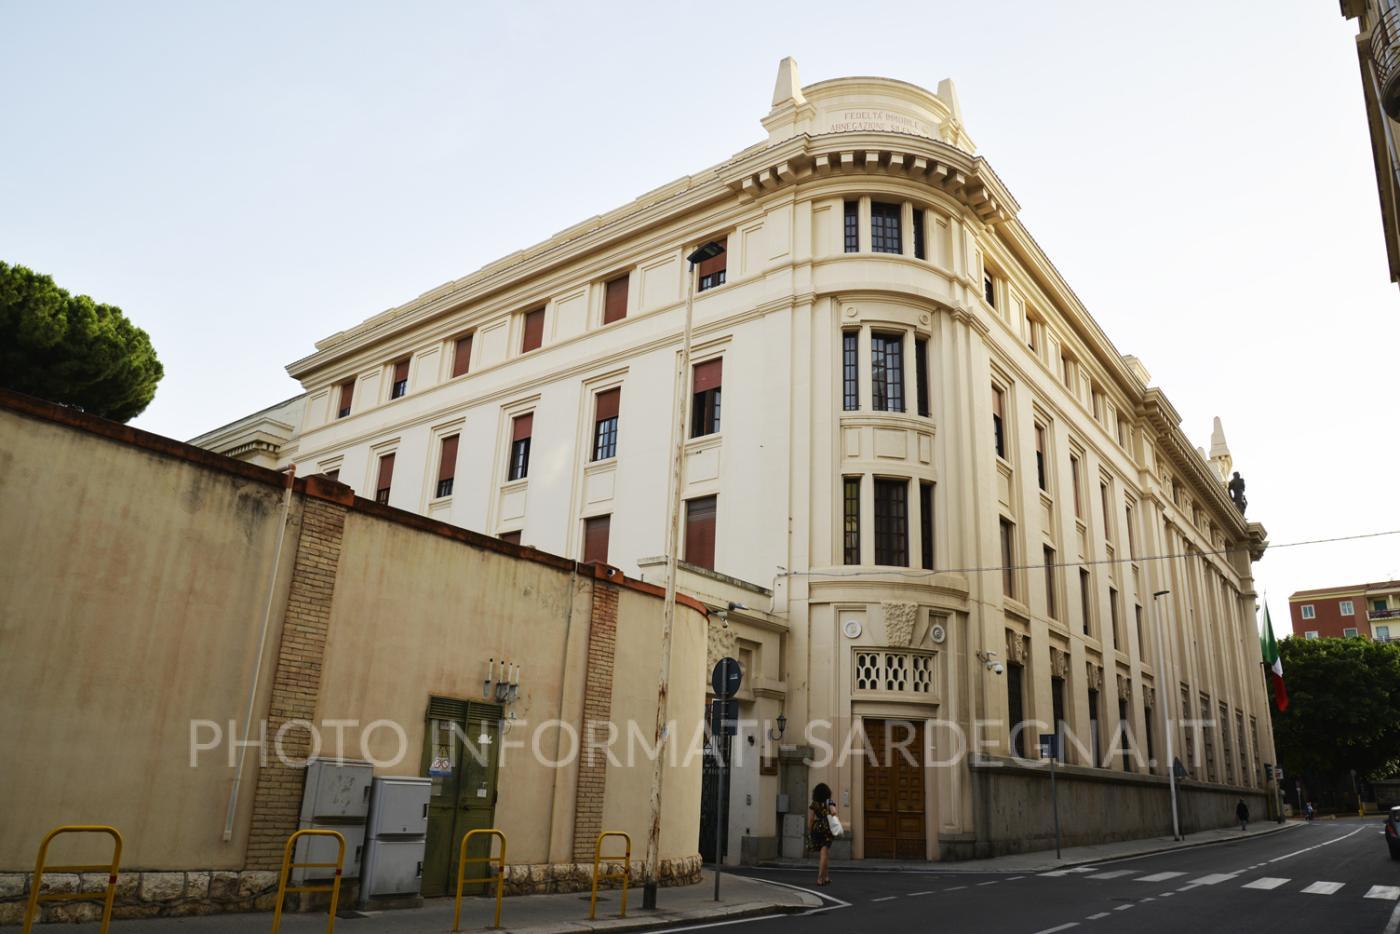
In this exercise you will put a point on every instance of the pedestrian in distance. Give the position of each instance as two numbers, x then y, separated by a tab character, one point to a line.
1242	814
1308	810
820	831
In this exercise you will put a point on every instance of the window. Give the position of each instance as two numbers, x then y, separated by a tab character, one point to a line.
919	234
1040	458
347	396
1122	432
999	420
462	356
1085	606
1378	606
1147	719
850	370
1096	395
1016	708
1347	608
989	288
1051	604
1120	638
884	228
1057	705
1125	732
887	372
851	514
852	226
704	398
1075	481
1094	729
595	538
332	475
447	465
1308	612
605	424
1132	533
1142	642
1349	633
1033	329
615	300
1008	557
926	525
1107	516
700	532
533	335
711	272
1067	371
1312	633
512	537
892	522
400	384
386	479
1382	634
520	430
921	374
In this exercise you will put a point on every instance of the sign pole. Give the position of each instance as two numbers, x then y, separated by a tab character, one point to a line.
1055	799
721	745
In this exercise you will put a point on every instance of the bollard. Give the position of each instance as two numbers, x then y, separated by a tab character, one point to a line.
625	875
500	877
108	897
288	866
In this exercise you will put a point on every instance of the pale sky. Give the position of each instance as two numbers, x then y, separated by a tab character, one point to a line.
245	179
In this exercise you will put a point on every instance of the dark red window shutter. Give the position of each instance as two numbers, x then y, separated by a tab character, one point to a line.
615	300
700	532
595	538
462	357
400	371
386	473
714	264
512	537
534	330
608	404
708	375
347	396
447	464
522	427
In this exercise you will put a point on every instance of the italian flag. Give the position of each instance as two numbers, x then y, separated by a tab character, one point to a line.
1272	662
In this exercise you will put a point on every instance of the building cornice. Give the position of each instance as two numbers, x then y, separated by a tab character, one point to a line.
1176	447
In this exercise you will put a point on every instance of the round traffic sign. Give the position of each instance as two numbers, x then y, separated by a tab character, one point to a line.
726	677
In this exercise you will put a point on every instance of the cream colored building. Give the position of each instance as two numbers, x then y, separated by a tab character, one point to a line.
912	459
1378	54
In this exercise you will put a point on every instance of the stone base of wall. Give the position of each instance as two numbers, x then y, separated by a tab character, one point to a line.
205	892
1013	811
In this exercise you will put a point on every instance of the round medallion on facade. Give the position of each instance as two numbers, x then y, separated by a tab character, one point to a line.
851	628
936	634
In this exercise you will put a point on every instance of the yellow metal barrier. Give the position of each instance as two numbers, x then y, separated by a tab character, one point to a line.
499	878
625	875
110	868
288	866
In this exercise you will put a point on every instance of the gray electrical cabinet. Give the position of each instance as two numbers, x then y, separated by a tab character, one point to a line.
335	797
397	834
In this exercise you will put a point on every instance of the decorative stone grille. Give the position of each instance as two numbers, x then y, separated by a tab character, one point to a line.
894	672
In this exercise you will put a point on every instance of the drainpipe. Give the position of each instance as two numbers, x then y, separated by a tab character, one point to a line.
289	476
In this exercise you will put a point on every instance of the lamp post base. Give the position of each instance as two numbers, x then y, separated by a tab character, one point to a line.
649	896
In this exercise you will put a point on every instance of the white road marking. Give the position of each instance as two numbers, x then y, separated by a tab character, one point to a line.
924	892
1388	892
1166	895
954	888
1065	872
1014	878
887	898
1160	876
1394	924
1323	888
1115	874
1267	883
1102	914
1124	907
993	882
1324	843
1063	927
1214	878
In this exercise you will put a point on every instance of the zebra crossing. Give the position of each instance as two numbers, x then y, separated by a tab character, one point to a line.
1388	893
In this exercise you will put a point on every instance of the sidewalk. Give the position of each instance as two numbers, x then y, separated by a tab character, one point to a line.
524	914
1044	860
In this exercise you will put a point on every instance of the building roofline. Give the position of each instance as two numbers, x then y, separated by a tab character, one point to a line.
1354	588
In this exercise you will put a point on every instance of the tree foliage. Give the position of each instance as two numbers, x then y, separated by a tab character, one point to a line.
1344	707
70	349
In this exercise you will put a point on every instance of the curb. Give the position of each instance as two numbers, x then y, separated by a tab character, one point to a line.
964	867
663	921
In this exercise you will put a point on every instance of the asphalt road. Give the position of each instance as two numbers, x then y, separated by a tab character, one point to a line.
1327	876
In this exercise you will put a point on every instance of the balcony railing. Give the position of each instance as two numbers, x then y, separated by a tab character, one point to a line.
1385	52
1384	614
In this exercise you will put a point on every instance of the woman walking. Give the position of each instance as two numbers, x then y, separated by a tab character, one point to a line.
819	830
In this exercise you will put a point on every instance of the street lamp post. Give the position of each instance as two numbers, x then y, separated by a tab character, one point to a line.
1162	670
653	857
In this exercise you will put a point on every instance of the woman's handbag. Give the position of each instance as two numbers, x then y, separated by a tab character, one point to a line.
834	823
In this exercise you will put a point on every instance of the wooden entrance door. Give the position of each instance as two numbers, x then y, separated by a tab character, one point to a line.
893	814
461	752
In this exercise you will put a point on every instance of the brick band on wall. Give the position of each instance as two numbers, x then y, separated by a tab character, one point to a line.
296	683
597	720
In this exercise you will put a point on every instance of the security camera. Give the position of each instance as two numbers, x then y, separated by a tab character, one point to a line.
723	616
998	668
